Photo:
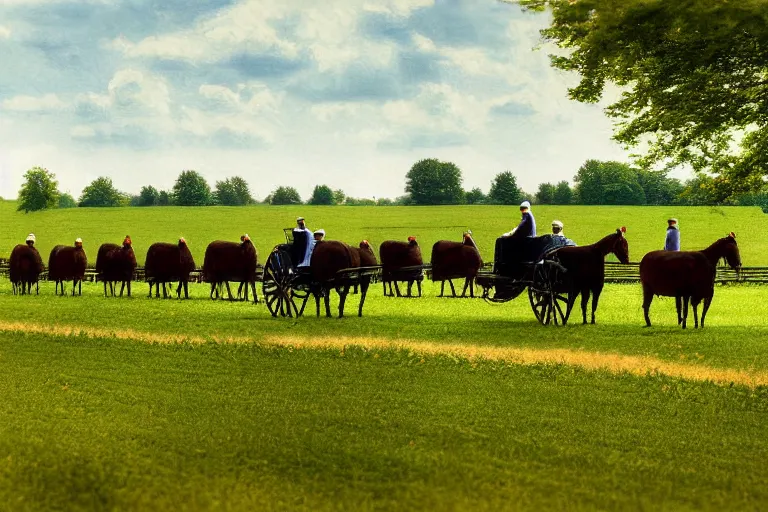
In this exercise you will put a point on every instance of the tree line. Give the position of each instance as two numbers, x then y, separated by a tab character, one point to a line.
428	182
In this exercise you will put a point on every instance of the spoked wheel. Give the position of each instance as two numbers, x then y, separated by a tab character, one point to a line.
547	304
278	282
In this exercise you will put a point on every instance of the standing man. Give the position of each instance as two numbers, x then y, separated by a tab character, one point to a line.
527	226
301	227
672	242
557	228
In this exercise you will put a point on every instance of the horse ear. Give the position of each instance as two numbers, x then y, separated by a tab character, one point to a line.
732	235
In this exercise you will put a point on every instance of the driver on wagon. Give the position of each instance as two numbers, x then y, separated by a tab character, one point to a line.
527	226
302	227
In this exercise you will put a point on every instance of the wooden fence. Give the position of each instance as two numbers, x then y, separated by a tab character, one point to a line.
614	273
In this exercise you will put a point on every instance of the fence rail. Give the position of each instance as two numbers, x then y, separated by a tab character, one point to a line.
614	273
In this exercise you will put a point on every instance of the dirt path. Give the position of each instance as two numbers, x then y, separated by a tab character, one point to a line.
612	362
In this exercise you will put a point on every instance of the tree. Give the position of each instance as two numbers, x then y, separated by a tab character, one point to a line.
546	194
67	201
608	183
148	196
100	193
233	192
658	188
339	196
693	74
191	189
40	190
699	191
475	196
357	201
504	189
431	181
322	195
563	193
285	195
164	198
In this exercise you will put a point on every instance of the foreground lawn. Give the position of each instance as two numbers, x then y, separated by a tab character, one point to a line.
109	424
736	335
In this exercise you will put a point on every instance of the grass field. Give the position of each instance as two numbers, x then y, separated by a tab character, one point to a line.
446	404
646	226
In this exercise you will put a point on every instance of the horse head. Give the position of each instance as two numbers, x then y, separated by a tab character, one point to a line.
730	251
620	246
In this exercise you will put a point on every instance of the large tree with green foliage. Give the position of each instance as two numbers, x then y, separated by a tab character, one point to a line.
431	181
100	193
233	192
504	189
546	194
608	183
475	196
67	201
563	193
322	195
148	196
284	195
693	75
191	189
39	191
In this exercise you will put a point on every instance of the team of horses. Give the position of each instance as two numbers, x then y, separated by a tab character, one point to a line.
688	276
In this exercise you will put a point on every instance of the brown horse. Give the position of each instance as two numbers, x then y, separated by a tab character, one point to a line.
585	267
686	275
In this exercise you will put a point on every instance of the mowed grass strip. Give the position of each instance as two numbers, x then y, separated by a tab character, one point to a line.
736	336
112	424
613	363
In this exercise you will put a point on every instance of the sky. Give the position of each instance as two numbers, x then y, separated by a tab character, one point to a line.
349	93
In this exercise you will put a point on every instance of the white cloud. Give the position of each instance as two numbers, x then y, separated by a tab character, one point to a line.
45	103
5	32
4	3
82	132
397	7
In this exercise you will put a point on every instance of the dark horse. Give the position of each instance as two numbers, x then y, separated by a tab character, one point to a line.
585	267
686	275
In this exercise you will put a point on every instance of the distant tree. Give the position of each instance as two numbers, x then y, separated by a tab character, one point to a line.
67	201
164	198
504	189
608	183
563	193
658	188
148	196
474	196
39	191
546	194
134	200
431	181
322	195
357	201
191	189
339	196
699	191
100	193
384	201
285	195
233	192
404	200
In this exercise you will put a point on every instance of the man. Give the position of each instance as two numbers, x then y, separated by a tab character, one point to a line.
302	227
527	226
31	240
319	235
557	228
672	242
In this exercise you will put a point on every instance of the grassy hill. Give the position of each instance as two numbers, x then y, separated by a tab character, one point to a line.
584	224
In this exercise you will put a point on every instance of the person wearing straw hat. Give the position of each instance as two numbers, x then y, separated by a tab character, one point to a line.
557	228
672	242
527	226
319	235
31	239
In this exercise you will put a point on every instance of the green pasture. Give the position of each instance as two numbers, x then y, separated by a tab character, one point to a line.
646	225
97	421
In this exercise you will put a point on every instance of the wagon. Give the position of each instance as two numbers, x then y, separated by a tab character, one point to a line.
532	264
287	286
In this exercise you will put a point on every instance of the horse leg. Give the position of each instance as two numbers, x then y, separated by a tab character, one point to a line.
453	290
397	289
363	291
229	291
595	299
685	311
584	301
255	295
707	302
695	306
679	306
327	293
343	292
410	289
418	287
442	288
647	299
572	295
466	285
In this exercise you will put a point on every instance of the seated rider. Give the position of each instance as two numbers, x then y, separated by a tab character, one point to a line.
319	235
527	226
557	228
301	227
31	240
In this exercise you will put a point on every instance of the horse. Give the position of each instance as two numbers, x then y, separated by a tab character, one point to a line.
454	260
585	270
686	276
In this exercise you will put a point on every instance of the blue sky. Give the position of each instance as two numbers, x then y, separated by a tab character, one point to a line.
344	92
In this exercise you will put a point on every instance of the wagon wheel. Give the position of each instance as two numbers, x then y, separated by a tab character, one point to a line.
277	285
546	302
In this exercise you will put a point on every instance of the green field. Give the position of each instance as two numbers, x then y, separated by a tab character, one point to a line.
446	404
